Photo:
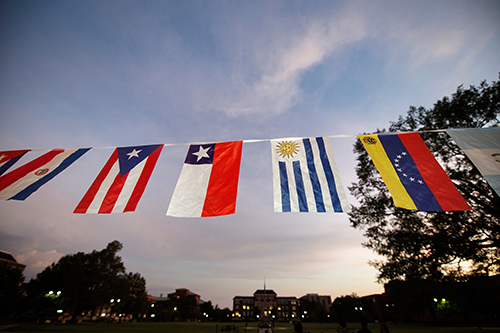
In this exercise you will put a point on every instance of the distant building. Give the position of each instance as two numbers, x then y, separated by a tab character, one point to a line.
325	301
181	292
265	304
7	259
185	292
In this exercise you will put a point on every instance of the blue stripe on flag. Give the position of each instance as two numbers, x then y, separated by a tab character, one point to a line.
299	183
318	196
406	169
330	178
63	165
285	194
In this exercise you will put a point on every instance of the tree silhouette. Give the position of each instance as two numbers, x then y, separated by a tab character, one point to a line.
83	281
435	245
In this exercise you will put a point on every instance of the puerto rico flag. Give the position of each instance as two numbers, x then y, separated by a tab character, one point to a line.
122	181
208	183
8	158
412	174
23	181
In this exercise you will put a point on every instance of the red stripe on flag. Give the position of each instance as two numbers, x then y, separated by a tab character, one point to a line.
15	175
223	184
113	193
94	188
433	174
143	180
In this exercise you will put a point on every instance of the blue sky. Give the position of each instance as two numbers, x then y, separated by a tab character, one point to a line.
118	73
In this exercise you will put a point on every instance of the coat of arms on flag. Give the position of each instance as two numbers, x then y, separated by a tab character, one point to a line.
122	181
305	177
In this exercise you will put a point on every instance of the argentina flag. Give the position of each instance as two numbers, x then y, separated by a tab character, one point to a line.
305	177
482	146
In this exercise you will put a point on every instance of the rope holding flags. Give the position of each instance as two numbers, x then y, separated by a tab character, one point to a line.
305	175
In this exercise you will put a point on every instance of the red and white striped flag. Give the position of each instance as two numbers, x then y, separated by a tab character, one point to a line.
121	183
22	182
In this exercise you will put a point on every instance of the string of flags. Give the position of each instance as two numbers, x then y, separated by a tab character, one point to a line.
305	175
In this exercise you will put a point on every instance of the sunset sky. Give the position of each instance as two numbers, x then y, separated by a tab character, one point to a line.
123	73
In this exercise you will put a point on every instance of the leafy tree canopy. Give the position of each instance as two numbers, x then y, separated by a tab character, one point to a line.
83	281
348	308
435	245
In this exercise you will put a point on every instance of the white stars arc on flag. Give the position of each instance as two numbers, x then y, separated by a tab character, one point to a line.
400	170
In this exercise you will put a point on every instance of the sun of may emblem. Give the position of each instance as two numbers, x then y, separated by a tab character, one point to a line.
287	148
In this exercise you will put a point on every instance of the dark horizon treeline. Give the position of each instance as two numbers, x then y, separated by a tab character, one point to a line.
82	286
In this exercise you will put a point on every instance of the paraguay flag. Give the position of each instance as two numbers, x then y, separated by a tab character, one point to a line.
8	158
23	181
305	177
412	174
208	183
122	181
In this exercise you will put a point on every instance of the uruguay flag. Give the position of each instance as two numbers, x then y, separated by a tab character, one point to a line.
8	158
305	177
411	173
121	182
23	181
208	183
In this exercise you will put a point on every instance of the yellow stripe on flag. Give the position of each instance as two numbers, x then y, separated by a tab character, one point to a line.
385	168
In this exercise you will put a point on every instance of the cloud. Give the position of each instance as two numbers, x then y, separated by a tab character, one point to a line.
269	81
36	261
424	44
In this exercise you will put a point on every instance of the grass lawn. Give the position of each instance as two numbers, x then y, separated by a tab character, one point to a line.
216	327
